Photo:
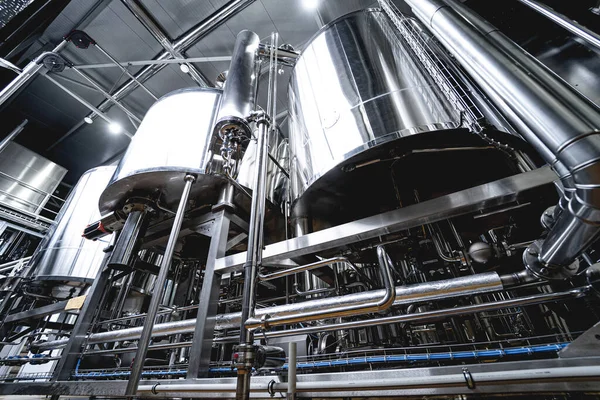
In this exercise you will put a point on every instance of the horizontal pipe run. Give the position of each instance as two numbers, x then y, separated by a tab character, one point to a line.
522	376
578	30
301	268
457	287
432	315
379	304
154	62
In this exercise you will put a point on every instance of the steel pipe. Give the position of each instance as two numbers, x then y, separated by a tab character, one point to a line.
381	303
306	267
81	100
578	30
13	134
405	295
27	74
522	376
559	130
122	68
159	288
432	315
239	92
140	12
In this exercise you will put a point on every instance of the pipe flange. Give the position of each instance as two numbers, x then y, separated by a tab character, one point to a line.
544	271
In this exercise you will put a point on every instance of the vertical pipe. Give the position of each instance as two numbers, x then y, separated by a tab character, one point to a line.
239	92
253	261
12	134
142	346
128	241
292	362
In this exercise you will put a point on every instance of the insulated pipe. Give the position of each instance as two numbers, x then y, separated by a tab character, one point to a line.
426	381
381	303
578	30
432	315
159	288
27	74
239	92
405	295
140	12
568	131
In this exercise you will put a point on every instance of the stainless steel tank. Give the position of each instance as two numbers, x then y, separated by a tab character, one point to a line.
64	255
175	138
358	99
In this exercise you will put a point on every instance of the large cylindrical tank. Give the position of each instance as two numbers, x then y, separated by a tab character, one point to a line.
64	255
176	137
359	99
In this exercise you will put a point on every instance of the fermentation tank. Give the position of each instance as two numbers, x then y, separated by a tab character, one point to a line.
175	138
64	255
360	104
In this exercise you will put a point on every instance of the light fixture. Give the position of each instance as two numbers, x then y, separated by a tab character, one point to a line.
88	120
113	127
310	4
184	68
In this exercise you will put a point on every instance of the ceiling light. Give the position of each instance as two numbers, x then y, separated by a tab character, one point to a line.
310	4
184	68
88	120
113	127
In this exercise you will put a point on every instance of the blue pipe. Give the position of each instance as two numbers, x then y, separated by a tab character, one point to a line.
475	354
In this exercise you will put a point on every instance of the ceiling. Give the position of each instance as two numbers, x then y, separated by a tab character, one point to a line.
56	129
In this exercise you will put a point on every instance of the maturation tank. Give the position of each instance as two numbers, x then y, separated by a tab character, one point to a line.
64	255
176	138
366	118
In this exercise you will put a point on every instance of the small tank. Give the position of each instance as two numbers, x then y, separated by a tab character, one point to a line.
176	138
64	255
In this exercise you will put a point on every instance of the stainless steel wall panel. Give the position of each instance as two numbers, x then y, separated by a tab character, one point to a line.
64	255
356	86
27	179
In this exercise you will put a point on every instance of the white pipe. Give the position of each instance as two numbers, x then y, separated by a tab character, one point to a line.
523	376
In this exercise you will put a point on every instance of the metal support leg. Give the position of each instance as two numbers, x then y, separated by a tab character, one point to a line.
72	351
209	297
142	349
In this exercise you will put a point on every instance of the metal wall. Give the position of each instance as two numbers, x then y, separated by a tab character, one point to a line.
27	180
64	255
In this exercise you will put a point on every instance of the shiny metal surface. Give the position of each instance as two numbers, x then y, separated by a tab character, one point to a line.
356	86
240	89
336	308
174	138
405	295
480	197
63	254
27	180
561	130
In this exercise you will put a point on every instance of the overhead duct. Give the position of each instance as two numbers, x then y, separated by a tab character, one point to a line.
567	130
